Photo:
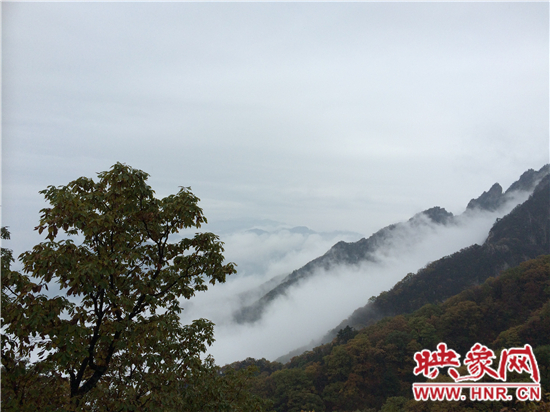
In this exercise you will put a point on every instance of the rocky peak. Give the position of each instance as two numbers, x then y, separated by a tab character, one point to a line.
494	198
438	215
529	179
490	200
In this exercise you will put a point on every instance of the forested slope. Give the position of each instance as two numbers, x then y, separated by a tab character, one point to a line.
373	367
521	235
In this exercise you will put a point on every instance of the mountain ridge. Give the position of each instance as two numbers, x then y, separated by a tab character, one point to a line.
521	235
364	250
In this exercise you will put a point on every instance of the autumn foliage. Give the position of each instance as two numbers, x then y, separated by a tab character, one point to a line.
373	370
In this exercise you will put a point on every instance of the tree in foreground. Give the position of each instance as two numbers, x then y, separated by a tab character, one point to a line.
113	339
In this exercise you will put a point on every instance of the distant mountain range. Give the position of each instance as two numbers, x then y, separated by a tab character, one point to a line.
520	235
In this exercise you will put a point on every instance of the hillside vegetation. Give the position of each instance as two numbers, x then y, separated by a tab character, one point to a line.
521	235
372	369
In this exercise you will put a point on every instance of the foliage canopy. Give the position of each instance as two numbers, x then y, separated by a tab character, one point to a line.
112	339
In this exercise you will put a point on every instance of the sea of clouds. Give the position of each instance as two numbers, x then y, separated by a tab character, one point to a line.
309	310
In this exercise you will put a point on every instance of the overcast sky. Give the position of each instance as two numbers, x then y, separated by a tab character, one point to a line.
335	116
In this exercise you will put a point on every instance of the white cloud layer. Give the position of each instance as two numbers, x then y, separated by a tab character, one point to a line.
321	302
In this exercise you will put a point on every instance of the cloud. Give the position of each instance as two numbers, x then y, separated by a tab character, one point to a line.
263	257
319	303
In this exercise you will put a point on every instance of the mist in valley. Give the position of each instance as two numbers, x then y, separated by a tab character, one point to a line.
317	304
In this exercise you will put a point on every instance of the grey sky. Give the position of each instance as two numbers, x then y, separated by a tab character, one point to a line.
336	116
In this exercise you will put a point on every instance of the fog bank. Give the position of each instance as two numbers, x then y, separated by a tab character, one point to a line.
322	301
